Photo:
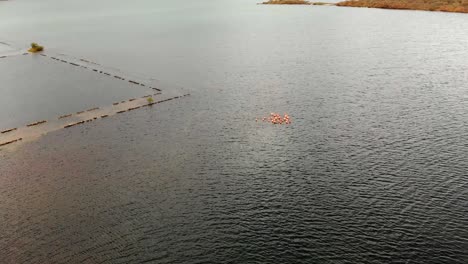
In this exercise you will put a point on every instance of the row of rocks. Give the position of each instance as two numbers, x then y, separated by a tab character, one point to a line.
88	120
96	70
74	124
92	109
80	112
10	142
11	55
84	121
36	123
8	130
65	116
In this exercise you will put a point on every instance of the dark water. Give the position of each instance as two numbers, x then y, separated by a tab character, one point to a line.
372	170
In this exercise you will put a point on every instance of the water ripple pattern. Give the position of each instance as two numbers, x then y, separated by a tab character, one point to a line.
373	168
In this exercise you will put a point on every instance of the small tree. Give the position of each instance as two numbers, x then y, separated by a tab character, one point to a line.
150	100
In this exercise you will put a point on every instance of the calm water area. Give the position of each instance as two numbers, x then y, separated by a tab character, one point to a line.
39	88
373	168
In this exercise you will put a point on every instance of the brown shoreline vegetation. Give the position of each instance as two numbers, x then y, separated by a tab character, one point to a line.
459	6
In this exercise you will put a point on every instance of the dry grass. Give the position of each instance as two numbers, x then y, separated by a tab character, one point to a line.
286	2
460	6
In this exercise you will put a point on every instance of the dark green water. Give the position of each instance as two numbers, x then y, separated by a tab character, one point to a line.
372	170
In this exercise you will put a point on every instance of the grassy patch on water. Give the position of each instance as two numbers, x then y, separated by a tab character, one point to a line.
36	47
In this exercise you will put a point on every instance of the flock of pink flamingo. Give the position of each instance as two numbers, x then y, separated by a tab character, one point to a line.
276	119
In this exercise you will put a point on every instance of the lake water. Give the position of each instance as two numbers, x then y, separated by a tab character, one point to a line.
373	168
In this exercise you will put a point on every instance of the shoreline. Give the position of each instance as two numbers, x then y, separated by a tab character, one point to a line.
417	5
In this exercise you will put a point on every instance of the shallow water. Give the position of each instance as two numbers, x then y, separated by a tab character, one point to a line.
372	170
37	88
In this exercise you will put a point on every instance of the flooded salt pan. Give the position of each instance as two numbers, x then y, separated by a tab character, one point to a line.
38	88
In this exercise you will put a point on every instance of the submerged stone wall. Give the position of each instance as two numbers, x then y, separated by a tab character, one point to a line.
67	120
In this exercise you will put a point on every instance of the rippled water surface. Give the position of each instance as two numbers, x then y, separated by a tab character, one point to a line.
373	168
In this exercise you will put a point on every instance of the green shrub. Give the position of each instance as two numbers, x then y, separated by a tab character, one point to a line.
36	47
